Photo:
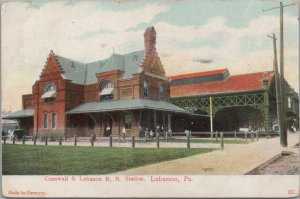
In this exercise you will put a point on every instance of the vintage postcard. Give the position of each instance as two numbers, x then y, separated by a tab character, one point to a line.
162	98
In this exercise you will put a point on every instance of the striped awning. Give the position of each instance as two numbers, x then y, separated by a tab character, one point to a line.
49	94
106	91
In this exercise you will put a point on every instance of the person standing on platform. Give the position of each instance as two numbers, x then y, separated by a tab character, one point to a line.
124	132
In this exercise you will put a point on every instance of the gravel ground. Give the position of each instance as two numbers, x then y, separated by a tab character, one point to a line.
284	165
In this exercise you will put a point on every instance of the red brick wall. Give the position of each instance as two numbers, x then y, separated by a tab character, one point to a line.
27	101
128	88
51	74
154	84
74	95
57	106
91	93
112	76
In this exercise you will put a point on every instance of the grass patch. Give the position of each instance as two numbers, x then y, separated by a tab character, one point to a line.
59	160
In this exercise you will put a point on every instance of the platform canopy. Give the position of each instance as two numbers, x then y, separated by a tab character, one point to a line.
119	105
19	114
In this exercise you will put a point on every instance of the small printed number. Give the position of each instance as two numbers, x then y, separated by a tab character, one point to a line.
291	191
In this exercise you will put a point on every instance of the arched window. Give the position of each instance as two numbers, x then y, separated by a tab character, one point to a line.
127	121
107	89
45	120
91	122
161	92
49	92
54	120
146	89
107	84
49	87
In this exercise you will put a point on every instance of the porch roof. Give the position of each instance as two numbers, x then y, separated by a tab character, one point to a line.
133	104
19	114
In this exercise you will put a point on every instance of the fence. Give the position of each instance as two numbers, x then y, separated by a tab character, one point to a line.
226	134
167	140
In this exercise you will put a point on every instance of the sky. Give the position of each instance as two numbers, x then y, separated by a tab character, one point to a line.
230	33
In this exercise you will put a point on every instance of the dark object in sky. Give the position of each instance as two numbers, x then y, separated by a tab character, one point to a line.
203	60
165	55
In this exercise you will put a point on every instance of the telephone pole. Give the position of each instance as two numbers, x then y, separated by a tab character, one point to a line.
283	134
277	87
283	140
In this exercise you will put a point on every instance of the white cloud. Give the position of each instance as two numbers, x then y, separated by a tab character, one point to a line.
28	35
85	33
242	50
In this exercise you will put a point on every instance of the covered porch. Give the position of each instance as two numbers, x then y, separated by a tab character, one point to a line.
110	117
24	119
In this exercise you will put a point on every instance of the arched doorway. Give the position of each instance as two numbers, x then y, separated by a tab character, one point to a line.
107	125
91	124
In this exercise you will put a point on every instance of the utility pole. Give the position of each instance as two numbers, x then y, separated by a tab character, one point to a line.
283	140
211	116
283	135
277	87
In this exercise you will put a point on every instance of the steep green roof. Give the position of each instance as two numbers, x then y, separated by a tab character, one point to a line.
81	73
132	104
132	62
73	70
19	114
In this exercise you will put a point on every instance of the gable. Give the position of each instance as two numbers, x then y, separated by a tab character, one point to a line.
52	66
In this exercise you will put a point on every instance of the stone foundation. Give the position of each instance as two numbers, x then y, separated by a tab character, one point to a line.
85	132
81	132
49	132
115	131
135	131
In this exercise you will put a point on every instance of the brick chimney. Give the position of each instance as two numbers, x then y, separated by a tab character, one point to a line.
151	62
150	41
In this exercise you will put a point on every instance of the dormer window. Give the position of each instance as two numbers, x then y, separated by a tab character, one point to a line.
146	89
161	92
49	92
107	89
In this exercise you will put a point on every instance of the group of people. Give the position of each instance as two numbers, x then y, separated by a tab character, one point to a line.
148	133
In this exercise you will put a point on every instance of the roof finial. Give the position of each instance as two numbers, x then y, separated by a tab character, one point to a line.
265	77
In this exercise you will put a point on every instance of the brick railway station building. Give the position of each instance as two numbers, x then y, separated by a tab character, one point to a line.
133	91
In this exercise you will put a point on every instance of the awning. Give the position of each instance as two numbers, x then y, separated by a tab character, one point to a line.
106	91
133	104
49	94
19	114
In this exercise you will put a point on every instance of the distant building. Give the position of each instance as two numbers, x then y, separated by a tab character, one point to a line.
133	91
8	124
